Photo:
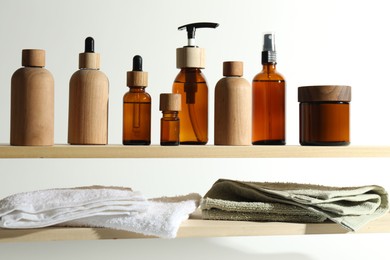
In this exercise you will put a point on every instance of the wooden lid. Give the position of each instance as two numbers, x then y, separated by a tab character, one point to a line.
190	57
33	58
170	102
233	68
324	93
89	60
137	79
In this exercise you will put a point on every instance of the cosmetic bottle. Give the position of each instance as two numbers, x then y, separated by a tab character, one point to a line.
88	100
32	102
170	105
324	115
191	84
268	117
233	107
137	107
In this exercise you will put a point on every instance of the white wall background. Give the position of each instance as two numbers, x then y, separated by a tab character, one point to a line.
318	42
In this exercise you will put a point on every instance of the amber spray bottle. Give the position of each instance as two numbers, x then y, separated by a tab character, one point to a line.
137	107
268	117
191	84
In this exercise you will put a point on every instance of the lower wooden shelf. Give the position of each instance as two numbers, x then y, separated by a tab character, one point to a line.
192	228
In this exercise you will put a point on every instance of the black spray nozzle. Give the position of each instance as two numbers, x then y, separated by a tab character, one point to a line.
269	51
89	45
191	29
137	63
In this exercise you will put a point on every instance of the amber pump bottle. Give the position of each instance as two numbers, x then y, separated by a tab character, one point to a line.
137	107
32	101
191	84
88	100
268	93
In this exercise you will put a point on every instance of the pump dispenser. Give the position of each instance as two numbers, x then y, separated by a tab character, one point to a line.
88	100
191	84
268	95
137	107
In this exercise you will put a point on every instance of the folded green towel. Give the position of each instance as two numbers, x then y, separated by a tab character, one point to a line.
352	207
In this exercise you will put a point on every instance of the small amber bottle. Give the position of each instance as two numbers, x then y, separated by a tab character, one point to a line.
137	107
324	115
170	105
268	116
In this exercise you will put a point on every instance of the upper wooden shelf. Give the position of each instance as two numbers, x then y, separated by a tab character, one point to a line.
208	151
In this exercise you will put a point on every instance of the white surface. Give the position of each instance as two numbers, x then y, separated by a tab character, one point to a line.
318	42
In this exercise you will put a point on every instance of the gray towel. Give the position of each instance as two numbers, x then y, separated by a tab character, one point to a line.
351	207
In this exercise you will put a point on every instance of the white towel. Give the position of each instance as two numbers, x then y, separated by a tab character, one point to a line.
49	207
162	217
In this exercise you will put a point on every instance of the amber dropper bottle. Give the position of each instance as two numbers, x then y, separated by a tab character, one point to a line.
137	107
268	93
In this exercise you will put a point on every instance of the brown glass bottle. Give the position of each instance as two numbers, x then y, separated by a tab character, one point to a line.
170	105
136	117
191	84
268	123
137	107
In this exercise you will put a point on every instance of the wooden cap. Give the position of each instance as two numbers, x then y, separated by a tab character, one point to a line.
137	79
190	57
233	68
170	102
33	58
324	93
89	60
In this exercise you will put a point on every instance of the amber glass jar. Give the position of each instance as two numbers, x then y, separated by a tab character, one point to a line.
324	115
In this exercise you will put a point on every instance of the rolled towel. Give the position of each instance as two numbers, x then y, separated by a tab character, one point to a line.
49	207
162	217
351	207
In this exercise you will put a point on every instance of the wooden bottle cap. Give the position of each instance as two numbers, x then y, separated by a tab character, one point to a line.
324	93
89	60
233	68
137	79
190	57
170	102
33	58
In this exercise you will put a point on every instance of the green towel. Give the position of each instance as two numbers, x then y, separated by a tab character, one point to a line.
351	207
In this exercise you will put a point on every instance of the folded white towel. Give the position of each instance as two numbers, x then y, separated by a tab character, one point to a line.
49	207
162	217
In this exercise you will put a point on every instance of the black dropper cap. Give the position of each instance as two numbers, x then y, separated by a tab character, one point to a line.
89	45
268	55
191	29
137	63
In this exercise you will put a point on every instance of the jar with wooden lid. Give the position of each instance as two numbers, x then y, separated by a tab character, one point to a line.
170	105
324	115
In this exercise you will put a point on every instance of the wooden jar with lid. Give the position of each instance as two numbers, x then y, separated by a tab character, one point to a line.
32	101
233	107
324	115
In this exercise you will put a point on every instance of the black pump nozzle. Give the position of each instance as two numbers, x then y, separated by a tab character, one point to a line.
137	63
89	45
191	28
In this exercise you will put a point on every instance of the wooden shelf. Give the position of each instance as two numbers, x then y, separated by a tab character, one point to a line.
193	228
208	151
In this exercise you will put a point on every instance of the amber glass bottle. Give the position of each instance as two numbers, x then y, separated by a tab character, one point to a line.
191	84
137	107
170	105
268	94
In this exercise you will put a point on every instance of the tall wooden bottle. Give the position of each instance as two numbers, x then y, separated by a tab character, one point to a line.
88	100
233	107
32	101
